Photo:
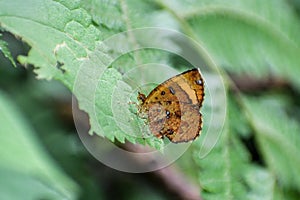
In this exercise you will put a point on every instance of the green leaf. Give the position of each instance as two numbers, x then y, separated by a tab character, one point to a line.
16	185
227	172
68	48
252	37
25	161
106	13
53	27
261	182
4	49
278	137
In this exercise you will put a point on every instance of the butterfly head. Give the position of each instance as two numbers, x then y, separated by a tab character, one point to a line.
141	97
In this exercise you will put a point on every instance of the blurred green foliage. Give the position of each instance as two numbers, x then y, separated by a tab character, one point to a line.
41	156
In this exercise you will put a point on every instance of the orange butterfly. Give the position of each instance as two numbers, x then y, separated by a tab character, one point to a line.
173	107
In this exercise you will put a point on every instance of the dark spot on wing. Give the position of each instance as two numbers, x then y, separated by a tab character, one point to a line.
168	114
163	93
178	114
170	131
172	90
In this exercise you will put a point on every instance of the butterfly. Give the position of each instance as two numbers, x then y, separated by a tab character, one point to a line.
173	107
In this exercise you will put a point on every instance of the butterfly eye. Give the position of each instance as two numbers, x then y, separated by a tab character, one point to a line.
141	97
198	82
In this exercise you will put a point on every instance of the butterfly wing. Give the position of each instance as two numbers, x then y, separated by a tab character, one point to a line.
190	124
164	118
173	107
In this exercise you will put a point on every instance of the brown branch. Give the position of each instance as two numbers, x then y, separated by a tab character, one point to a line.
177	183
247	83
170	178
